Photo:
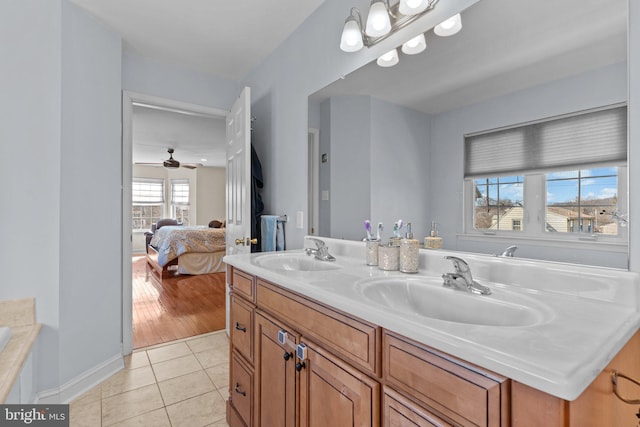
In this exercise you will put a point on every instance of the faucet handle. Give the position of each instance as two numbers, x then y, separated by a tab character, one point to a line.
459	264
319	243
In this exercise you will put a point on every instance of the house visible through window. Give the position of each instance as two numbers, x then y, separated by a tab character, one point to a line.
147	202
180	200
560	177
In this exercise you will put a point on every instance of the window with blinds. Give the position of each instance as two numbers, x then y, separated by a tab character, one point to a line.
180	200
570	142
571	168
147	200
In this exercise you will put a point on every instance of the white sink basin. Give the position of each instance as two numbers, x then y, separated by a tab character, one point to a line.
5	336
294	262
425	297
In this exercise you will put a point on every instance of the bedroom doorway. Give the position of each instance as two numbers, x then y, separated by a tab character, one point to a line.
172	302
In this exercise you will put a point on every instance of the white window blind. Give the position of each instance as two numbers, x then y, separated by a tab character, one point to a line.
179	191
147	191
590	138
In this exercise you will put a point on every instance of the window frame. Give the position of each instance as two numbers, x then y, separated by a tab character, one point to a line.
534	217
158	203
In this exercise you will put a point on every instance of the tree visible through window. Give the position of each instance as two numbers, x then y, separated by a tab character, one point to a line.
498	203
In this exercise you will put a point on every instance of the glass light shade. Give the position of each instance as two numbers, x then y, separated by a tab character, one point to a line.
415	45
351	40
378	21
413	7
389	59
449	27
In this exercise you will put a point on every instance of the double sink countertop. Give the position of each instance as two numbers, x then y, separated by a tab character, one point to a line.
552	326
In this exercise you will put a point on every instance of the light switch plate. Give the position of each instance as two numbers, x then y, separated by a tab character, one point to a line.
300	219
325	194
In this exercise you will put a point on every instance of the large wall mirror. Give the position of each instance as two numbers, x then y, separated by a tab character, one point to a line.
392	140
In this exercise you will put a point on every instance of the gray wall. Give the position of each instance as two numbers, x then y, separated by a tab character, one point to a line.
61	123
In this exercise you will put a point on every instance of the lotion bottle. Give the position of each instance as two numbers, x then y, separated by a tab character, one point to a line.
409	252
433	241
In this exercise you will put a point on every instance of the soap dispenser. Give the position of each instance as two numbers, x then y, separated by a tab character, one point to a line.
409	252
433	241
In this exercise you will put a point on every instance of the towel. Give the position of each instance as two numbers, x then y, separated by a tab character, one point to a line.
271	233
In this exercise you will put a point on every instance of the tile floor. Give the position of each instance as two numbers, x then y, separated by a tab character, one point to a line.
180	383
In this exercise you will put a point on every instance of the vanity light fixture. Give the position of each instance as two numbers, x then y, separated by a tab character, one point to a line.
389	59
449	27
384	20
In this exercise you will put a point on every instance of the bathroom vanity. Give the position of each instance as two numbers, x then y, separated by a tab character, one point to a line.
318	343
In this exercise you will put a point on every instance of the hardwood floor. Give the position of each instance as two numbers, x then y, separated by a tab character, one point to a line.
178	307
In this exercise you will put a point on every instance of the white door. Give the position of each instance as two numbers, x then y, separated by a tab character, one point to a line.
238	233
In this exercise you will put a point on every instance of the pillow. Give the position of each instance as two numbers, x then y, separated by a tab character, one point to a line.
215	224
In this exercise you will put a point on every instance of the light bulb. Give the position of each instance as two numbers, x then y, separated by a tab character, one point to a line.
413	7
378	21
351	40
389	59
449	27
415	45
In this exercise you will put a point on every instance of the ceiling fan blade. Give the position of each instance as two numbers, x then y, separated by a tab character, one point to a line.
188	166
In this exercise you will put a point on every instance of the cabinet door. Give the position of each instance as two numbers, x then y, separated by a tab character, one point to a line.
275	384
334	394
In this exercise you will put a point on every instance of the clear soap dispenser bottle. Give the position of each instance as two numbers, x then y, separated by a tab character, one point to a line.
409	252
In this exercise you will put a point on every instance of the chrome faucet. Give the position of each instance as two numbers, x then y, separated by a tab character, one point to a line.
508	252
321	250
462	280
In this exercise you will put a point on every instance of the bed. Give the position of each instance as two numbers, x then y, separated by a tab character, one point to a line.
187	250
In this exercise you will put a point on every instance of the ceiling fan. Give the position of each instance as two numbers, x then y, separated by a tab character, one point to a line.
172	163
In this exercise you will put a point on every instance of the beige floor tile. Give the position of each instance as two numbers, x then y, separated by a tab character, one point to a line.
130	404
185	387
93	395
221	423
137	359
212	357
157	418
219	374
215	340
167	352
176	367
86	415
128	379
198	411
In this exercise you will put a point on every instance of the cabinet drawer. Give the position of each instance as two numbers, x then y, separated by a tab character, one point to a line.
462	393
243	284
241	389
400	412
242	327
354	340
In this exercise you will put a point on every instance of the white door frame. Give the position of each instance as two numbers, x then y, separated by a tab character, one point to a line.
128	100
313	180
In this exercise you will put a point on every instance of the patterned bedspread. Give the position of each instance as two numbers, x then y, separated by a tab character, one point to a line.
173	241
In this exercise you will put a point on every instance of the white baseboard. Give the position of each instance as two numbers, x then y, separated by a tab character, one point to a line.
82	383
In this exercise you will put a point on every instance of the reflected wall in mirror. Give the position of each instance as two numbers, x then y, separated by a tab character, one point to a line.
394	137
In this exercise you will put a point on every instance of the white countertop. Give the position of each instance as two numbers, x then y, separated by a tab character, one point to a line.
590	313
